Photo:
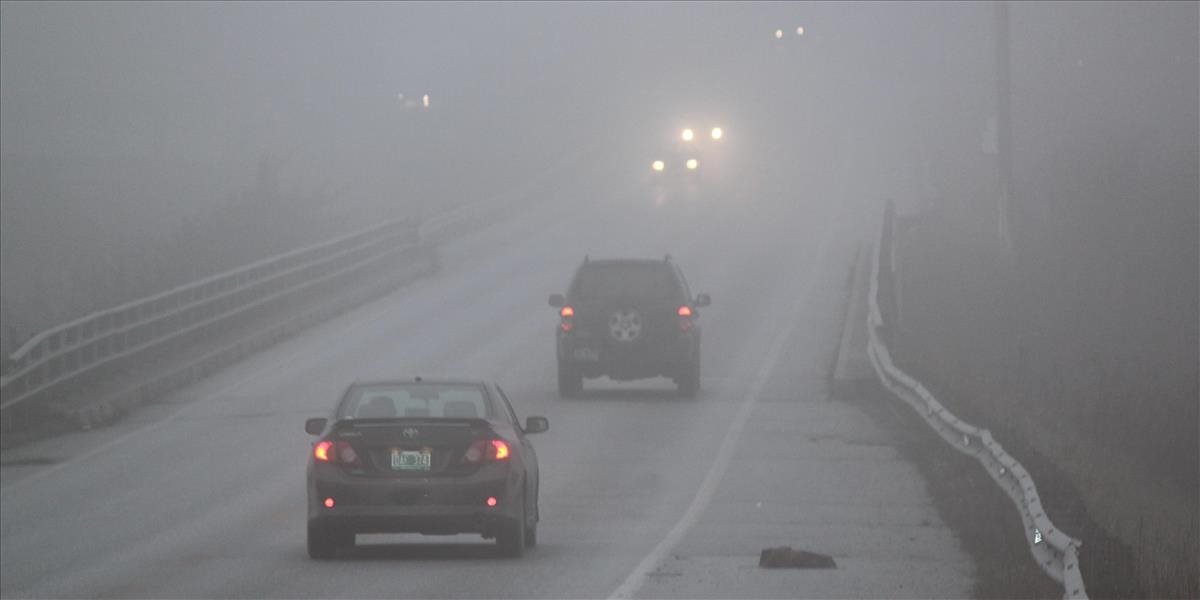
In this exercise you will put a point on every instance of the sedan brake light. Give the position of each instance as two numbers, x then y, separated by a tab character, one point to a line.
481	451
339	451
346	453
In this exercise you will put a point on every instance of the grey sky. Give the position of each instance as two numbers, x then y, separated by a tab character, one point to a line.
129	115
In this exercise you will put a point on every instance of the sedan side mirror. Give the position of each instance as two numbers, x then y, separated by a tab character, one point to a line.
315	426
703	300
536	424
557	300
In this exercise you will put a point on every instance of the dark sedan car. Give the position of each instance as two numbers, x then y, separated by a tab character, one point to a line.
419	456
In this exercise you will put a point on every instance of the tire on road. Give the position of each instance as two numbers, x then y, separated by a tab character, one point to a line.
570	381
510	540
531	525
325	539
688	382
321	542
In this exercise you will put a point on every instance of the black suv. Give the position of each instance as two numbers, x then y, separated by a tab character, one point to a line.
628	319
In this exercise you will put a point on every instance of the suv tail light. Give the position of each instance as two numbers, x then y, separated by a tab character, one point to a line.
568	318
336	452
481	451
685	317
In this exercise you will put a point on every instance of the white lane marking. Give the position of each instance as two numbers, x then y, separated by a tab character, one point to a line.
642	571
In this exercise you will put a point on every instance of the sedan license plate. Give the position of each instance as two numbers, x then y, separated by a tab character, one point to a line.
586	353
410	460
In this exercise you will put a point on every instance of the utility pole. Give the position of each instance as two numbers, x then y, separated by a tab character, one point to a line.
1003	126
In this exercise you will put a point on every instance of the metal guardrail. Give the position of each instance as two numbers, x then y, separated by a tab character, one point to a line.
55	358
1056	552
399	265
67	352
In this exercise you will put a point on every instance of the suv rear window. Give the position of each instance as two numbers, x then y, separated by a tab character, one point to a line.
652	281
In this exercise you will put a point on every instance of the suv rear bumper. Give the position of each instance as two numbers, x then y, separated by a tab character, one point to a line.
669	358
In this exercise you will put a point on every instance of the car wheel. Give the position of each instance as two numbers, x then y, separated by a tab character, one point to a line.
511	537
531	528
689	381
570	381
322	543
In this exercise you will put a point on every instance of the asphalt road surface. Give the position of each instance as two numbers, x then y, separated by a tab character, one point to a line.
643	494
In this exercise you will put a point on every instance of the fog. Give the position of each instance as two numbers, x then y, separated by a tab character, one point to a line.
146	145
121	120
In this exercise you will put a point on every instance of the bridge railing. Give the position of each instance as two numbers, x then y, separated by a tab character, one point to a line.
67	353
50	363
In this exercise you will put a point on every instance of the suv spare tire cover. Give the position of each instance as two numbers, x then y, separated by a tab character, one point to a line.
625	325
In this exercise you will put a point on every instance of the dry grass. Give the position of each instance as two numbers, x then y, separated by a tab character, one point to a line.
979	512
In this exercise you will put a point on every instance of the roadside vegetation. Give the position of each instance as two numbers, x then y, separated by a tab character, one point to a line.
1077	347
1075	338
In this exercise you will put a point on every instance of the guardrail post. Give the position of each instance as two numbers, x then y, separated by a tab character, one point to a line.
887	285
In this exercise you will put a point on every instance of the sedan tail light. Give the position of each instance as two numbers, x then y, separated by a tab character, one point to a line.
321	450
336	452
481	451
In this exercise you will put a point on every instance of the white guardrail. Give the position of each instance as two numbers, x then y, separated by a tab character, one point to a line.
65	353
1054	550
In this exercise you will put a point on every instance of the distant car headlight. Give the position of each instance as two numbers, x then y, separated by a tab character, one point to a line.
687	135
717	133
658	165
691	164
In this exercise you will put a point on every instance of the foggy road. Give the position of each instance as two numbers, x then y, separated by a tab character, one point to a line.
1038	275
643	493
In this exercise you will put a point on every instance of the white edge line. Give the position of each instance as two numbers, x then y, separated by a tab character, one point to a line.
637	577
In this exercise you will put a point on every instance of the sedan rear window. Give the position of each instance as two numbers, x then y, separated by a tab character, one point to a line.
416	400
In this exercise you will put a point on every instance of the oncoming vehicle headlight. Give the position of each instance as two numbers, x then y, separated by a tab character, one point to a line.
692	164
658	165
717	133
687	135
